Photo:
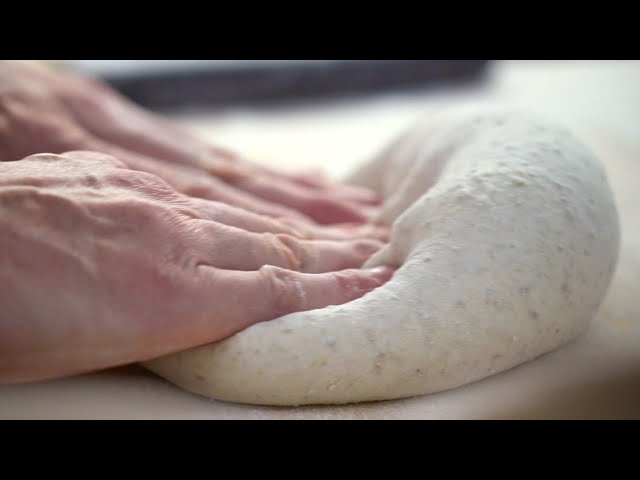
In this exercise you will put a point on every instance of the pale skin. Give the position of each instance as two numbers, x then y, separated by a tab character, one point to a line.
123	238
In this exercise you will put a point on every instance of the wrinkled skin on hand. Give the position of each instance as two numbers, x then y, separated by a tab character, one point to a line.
43	110
101	265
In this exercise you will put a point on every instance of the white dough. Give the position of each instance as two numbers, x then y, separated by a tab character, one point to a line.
506	234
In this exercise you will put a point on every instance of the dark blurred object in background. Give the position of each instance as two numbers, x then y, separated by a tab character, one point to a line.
175	84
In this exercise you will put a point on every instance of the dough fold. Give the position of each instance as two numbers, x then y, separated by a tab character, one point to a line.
506	237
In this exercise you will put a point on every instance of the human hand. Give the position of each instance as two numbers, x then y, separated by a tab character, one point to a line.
102	266
44	110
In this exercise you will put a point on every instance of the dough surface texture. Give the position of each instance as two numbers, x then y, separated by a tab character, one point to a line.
506	237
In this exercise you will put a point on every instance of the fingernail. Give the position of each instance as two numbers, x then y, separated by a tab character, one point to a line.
379	268
383	272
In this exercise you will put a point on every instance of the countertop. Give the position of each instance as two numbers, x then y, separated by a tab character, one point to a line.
594	376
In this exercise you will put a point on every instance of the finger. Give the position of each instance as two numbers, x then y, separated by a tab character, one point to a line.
274	291
355	194
244	219
103	113
320	206
345	231
231	248
315	179
237	217
106	114
344	192
213	189
191	181
284	188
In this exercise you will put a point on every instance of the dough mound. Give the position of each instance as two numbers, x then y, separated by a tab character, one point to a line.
506	236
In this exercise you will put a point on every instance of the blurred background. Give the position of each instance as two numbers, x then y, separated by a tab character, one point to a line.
336	114
176	84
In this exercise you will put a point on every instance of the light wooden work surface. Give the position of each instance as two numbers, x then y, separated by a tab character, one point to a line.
595	376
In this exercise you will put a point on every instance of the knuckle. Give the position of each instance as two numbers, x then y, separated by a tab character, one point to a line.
293	227
121	179
290	249
186	209
284	289
95	157
145	177
140	216
45	157
203	209
143	182
145	212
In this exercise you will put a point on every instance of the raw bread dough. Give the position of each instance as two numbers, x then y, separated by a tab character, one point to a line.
506	234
